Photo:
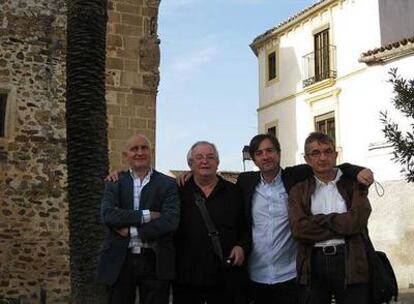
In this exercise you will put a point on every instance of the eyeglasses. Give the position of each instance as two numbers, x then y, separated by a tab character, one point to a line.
201	157
318	153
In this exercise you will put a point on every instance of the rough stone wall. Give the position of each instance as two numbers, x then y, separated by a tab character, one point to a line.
33	214
392	227
34	248
132	74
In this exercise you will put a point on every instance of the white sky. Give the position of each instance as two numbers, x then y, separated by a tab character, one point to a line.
209	75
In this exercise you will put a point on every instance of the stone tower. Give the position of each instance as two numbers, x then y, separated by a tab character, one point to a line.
132	75
34	247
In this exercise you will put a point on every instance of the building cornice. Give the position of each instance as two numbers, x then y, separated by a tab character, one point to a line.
272	33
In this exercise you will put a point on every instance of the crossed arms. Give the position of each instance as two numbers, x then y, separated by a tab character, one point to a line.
308	228
157	224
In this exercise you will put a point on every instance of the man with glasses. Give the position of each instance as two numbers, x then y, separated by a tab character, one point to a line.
329	214
272	265
205	274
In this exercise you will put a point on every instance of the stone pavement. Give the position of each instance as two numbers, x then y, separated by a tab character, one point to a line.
406	296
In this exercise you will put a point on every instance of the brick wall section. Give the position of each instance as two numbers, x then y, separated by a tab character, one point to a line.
33	213
132	72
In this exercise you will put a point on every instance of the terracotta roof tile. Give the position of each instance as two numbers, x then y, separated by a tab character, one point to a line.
380	53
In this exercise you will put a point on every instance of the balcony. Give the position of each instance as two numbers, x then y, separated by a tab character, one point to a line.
319	65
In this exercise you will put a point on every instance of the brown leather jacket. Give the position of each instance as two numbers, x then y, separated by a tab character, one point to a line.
308	228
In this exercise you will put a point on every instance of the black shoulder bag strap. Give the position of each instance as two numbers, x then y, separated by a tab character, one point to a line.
212	232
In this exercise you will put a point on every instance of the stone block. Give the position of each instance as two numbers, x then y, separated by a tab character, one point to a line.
127	54
113	110
131	79
134	2
127	8
115	145
131	65
114	63
151	81
121	134
121	98
131	19
113	78
145	112
111	28
151	124
128	30
120	122
114	40
111	97
114	17
131	42
136	100
137	123
127	111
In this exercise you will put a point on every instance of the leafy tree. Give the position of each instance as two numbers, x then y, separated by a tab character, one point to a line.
87	156
402	142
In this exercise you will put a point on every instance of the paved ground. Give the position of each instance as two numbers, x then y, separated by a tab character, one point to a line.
406	296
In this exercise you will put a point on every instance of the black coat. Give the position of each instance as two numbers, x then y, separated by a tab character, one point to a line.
117	210
196	262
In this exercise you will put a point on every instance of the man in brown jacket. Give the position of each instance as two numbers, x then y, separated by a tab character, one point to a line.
328	214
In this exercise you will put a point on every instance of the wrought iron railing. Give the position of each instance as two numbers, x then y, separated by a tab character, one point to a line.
319	65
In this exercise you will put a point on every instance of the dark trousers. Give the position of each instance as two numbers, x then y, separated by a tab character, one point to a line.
279	293
139	270
231	287
188	294
328	281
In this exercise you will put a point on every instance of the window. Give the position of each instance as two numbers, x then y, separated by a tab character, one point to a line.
321	42
272	130
326	124
3	101
271	66
272	127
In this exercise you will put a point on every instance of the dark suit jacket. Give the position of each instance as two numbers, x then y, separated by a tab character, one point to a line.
247	181
160	194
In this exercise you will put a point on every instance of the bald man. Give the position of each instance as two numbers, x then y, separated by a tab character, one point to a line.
141	211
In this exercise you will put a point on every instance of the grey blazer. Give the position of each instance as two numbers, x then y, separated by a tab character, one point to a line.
117	211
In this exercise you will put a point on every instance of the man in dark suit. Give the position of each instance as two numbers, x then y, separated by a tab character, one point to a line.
140	210
272	263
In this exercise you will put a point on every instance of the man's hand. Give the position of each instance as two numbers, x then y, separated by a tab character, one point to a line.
237	253
123	231
365	177
183	178
114	175
155	215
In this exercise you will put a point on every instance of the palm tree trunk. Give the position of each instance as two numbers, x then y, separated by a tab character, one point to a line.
87	156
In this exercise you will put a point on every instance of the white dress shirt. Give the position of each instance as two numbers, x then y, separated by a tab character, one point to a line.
135	242
273	257
325	200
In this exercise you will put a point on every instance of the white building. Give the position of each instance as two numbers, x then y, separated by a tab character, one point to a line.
326	69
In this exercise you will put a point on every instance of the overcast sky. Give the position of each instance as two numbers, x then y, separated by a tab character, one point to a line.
209	75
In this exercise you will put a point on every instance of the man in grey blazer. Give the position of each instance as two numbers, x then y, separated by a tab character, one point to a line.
141	211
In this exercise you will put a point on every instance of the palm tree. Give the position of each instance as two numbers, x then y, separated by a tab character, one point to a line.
87	157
